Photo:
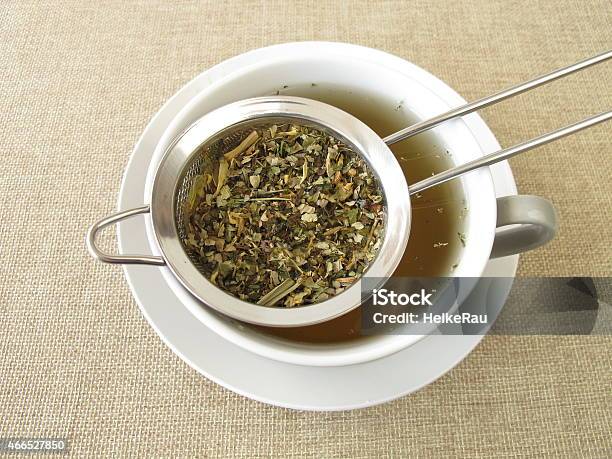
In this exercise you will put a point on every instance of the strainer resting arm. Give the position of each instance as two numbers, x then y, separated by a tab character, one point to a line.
119	259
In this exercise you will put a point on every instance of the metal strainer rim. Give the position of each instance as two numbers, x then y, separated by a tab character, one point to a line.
341	124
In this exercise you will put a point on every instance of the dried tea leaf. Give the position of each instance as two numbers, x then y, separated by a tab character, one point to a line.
255	180
246	143
309	217
222	177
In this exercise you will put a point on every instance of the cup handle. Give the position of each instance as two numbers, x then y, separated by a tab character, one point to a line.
537	224
119	259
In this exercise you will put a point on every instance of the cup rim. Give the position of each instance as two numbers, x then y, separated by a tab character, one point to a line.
364	349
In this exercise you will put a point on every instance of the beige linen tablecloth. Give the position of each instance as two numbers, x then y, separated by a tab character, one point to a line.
78	83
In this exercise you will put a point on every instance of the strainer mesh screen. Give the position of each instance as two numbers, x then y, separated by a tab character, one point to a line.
193	168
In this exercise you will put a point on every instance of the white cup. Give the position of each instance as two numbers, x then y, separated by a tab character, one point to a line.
530	220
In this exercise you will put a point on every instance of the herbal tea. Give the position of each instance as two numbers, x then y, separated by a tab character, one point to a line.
283	215
438	214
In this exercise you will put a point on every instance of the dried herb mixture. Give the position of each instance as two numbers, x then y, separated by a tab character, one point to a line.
290	216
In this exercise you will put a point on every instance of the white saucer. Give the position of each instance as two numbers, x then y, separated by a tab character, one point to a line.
269	381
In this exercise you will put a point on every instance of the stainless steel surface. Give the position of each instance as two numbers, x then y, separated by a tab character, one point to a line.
506	153
181	163
121	259
497	97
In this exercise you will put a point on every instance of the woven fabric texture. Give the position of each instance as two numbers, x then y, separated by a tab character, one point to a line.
78	83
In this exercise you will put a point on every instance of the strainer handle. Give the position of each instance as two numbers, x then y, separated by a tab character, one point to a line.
119	259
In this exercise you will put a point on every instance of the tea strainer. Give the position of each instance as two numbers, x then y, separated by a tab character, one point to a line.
228	125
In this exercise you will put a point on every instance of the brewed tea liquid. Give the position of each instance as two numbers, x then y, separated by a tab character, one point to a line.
438	214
